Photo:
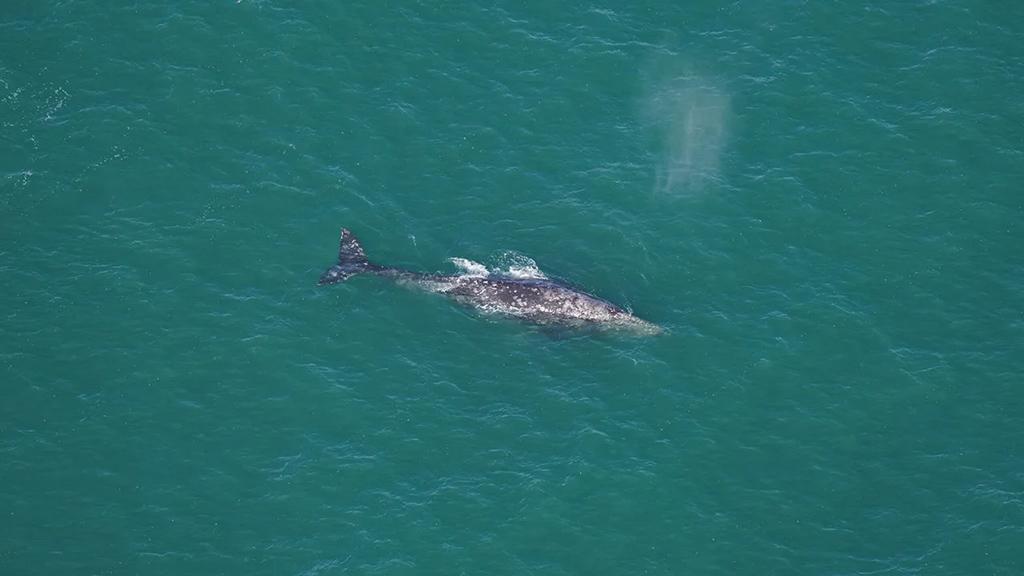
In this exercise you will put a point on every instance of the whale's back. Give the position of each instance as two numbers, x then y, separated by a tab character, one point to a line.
540	300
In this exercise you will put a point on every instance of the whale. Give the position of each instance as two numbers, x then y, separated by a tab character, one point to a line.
540	301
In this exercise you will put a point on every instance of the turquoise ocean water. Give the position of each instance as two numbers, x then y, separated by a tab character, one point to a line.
820	200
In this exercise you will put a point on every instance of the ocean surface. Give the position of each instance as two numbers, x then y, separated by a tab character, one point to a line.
821	202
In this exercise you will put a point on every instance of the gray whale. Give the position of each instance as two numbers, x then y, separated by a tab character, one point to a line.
538	300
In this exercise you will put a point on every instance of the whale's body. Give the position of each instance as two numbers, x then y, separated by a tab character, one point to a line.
538	300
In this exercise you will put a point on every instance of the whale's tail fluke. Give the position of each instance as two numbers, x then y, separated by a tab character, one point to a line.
351	261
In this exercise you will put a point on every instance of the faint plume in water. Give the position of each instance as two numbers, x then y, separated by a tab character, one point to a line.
691	117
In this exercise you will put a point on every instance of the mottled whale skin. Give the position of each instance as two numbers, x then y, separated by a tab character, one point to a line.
537	300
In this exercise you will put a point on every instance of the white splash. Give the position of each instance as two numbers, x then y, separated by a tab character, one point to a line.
471	268
525	272
516	265
509	264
